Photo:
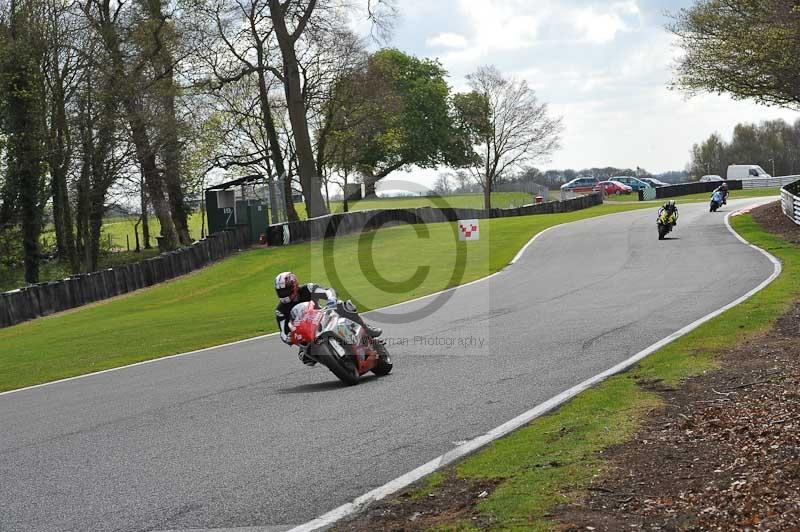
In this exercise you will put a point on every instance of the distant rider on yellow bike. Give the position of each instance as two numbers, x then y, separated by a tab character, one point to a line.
668	213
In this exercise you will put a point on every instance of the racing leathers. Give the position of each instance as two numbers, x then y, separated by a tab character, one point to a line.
725	192
671	212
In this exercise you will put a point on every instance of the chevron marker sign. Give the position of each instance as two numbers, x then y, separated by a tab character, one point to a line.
469	230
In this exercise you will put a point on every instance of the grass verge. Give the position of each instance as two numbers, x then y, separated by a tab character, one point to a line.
234	299
552	459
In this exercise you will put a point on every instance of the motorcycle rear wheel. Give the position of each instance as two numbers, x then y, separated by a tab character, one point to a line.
343	368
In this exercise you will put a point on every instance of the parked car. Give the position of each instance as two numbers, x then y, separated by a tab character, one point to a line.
653	182
633	182
746	171
612	188
580	184
710	178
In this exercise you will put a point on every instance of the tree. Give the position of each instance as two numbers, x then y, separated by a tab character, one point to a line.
289	20
708	157
23	106
442	186
507	126
774	145
61	68
159	42
127	69
239	53
398	112
102	157
749	49
292	20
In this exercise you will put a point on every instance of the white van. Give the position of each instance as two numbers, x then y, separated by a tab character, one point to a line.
737	172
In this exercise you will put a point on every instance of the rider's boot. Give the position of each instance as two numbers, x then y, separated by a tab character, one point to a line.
305	359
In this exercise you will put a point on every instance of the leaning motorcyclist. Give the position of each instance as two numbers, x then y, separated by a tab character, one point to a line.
671	210
291	293
724	189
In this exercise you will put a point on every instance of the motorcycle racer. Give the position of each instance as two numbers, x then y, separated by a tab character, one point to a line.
290	293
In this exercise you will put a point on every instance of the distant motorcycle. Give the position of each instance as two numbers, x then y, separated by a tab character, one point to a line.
717	200
340	344
665	224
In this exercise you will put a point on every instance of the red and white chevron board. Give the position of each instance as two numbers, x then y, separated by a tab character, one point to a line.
469	230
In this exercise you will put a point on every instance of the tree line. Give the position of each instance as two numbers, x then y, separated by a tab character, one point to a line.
774	145
150	98
749	50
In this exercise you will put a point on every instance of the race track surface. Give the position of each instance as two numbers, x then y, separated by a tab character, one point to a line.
246	437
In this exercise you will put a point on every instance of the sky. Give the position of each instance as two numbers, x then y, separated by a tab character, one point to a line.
602	66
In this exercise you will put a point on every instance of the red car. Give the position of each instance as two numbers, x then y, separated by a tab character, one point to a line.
612	187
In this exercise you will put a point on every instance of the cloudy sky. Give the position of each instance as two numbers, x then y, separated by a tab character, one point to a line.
603	66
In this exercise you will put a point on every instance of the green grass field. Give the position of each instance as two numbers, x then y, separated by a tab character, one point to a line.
552	459
234	299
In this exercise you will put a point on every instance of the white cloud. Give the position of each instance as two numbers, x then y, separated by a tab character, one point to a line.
448	40
600	25
504	25
599	28
628	7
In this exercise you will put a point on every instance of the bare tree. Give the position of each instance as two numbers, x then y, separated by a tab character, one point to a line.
290	19
127	68
63	64
162	40
443	185
506	125
293	20
239	54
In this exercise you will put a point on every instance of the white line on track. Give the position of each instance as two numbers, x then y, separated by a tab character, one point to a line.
471	446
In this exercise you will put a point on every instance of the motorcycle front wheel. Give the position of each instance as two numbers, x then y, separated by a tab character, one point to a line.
662	231
342	367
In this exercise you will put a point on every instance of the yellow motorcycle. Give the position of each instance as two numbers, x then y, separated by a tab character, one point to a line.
666	221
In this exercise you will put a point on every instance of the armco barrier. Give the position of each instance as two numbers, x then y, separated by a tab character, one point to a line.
772	182
684	189
790	200
356	222
47	298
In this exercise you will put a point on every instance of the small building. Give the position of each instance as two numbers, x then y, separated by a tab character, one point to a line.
241	202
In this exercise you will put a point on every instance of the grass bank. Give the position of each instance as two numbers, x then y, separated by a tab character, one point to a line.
120	230
118	233
552	459
234	299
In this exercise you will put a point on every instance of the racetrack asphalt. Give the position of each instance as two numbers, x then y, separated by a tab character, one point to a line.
245	437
